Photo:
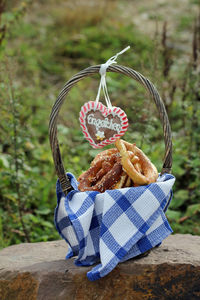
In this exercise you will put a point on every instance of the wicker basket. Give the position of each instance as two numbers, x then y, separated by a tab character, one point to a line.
65	183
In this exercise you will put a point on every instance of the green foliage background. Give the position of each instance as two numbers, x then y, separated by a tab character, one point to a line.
41	47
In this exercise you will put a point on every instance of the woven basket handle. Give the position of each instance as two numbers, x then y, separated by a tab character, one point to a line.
65	183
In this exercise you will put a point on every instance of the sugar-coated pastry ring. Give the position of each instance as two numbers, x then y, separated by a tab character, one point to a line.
144	172
105	172
104	154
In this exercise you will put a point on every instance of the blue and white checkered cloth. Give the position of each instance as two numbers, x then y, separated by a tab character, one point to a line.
113	226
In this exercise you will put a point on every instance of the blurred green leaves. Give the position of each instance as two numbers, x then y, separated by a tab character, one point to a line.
42	51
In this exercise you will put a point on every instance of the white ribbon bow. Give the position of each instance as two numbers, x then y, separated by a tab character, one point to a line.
102	72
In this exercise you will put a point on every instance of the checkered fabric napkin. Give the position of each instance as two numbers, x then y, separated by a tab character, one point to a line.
113	226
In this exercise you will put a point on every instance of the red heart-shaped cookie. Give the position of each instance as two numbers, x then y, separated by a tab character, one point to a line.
101	126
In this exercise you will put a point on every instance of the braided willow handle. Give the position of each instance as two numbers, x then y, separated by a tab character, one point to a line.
65	183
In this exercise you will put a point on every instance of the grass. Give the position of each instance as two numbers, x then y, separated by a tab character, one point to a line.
41	52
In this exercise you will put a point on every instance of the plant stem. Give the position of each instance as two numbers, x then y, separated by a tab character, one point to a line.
16	161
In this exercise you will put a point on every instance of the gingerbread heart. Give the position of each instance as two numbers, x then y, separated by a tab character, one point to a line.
101	126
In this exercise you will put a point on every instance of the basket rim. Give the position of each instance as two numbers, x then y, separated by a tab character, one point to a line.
92	70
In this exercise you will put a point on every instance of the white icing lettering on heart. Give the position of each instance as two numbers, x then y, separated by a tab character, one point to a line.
101	126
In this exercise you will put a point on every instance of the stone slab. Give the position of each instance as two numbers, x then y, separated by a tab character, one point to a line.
40	271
